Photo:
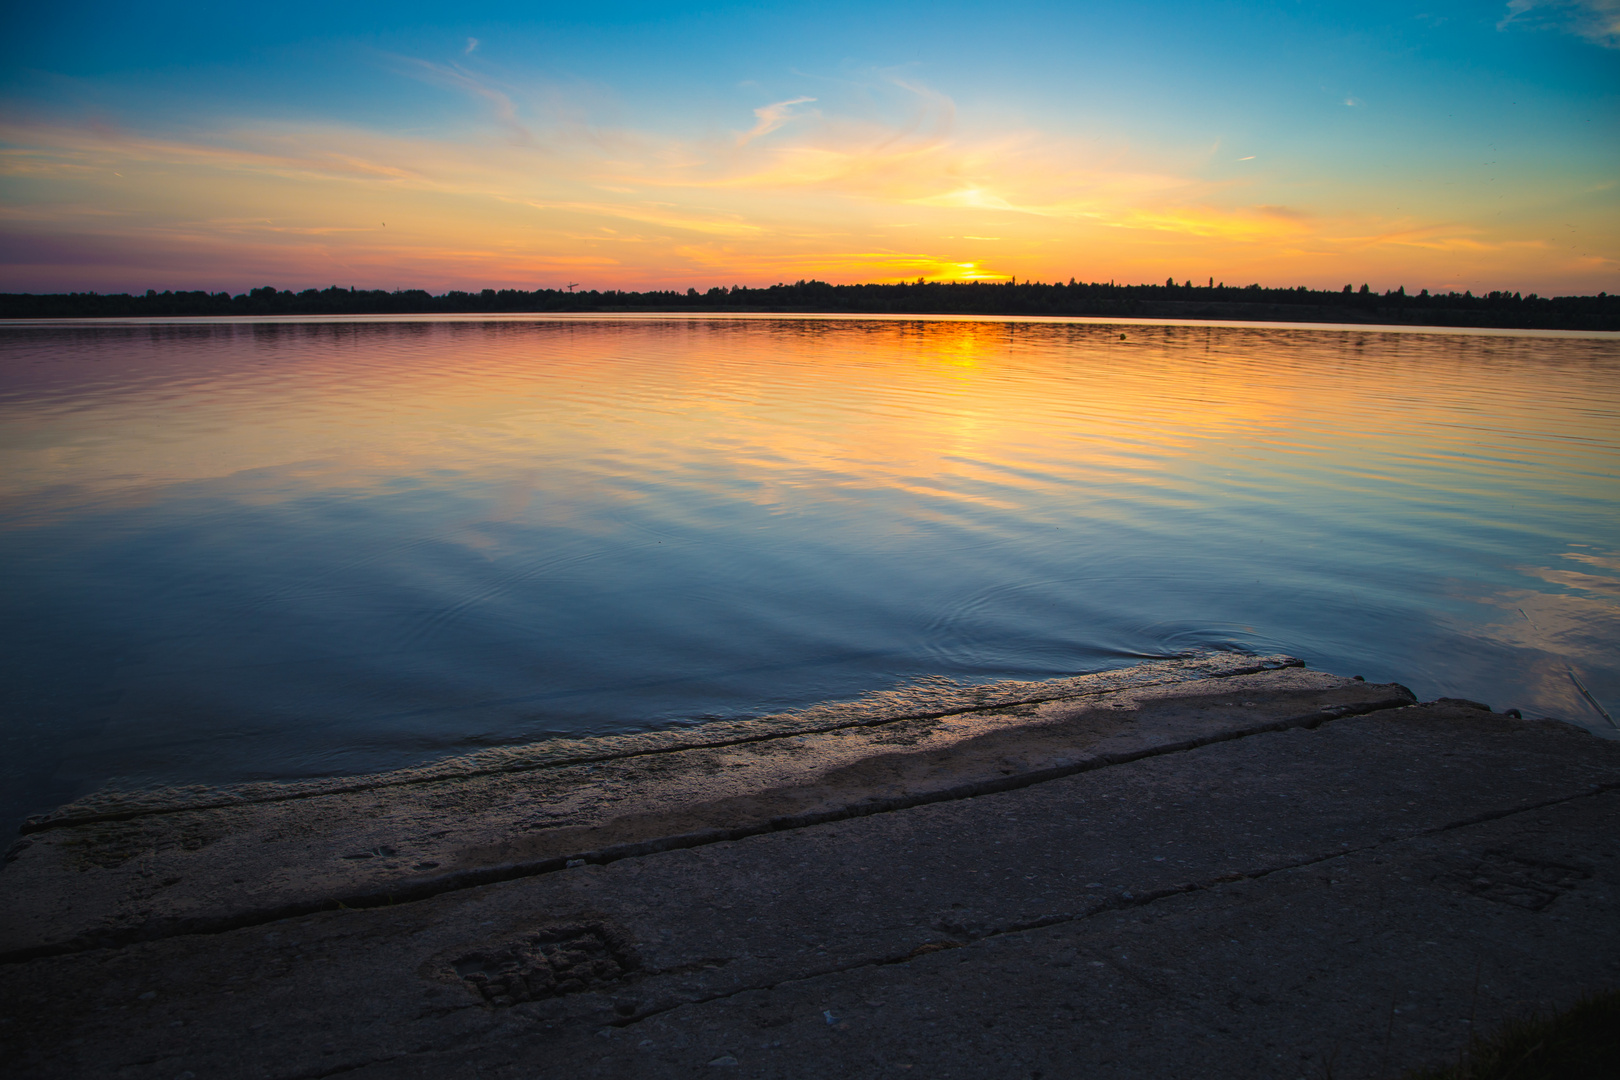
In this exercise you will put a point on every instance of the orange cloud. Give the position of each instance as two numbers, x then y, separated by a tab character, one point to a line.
883	195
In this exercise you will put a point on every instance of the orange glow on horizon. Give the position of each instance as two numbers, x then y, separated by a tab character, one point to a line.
834	199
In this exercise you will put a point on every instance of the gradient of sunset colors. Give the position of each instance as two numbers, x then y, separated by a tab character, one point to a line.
207	146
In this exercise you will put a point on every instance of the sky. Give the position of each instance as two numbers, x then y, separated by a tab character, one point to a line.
1447	145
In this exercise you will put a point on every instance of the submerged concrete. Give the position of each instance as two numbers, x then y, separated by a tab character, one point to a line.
1241	868
108	872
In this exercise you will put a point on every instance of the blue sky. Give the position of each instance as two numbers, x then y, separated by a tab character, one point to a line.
205	145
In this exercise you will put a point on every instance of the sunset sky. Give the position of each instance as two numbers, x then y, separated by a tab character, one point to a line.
1444	146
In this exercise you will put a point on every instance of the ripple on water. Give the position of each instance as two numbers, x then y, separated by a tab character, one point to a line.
277	550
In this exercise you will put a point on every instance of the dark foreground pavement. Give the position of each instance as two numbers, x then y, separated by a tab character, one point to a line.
1266	873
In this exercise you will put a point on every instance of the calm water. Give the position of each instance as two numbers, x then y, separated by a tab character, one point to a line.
276	549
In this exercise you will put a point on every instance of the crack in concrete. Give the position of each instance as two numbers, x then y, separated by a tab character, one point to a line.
423	889
1113	904
1125	901
452	1043
47	823
339	1070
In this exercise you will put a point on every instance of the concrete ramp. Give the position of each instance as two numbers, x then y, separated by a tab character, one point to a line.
1241	870
121	868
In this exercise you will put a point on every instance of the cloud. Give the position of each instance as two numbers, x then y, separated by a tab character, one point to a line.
62	152
879	183
1598	21
1243	225
769	118
800	197
454	75
661	214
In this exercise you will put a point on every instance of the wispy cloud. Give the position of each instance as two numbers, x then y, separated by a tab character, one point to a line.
879	183
770	118
500	103
47	150
1598	21
665	215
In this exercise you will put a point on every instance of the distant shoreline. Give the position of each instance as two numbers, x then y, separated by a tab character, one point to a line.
750	315
1214	303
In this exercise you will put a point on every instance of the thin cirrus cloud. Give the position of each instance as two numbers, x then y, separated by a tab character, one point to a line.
770	118
1598	21
883	180
453	76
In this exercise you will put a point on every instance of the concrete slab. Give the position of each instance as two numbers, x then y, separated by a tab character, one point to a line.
1250	906
98	875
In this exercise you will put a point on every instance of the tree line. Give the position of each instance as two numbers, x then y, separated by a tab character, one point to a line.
1170	300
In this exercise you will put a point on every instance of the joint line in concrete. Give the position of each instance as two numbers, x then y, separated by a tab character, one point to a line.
47	823
1127	901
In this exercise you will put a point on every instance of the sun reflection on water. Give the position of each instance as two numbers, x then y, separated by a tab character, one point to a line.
590	525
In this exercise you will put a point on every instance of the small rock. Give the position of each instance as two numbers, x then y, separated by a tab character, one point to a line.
726	1060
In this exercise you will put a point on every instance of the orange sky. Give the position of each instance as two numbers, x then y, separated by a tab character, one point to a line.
483	165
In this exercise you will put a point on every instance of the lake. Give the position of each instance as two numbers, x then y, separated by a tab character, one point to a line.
237	550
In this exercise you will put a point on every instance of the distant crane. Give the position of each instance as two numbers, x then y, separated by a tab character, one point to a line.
572	285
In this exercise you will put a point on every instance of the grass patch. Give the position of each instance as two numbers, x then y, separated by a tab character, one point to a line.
1580	1043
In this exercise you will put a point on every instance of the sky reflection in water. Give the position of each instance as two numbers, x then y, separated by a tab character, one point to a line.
281	549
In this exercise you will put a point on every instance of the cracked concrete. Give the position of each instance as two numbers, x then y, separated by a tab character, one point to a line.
1237	889
83	879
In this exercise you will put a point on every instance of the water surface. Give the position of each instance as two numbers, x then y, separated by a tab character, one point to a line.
285	548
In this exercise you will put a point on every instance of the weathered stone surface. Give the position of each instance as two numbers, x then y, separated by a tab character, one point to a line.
158	870
930	697
1251	906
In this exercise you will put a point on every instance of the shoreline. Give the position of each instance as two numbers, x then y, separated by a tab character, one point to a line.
929	699
756	314
871	885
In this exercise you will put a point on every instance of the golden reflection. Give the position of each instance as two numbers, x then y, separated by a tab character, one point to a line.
953	409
